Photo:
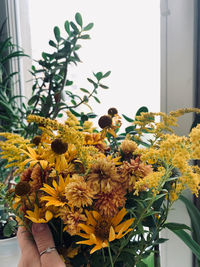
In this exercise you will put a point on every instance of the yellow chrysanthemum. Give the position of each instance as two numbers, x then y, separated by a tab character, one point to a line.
99	231
38	215
103	175
71	218
57	193
78	193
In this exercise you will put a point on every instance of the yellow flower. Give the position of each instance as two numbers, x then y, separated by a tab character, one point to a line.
78	192
99	230
38	215
34	158
57	194
71	218
103	175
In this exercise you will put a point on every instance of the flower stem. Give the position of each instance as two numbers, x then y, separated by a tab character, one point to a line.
104	259
110	255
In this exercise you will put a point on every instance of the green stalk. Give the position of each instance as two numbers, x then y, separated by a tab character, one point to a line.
110	256
166	176
104	259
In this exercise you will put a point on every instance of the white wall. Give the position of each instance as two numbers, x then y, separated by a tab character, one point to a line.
177	91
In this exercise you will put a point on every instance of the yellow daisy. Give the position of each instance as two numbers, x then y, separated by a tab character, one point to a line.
99	231
57	192
34	158
38	215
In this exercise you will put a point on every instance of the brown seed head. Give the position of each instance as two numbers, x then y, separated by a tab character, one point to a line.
112	112
22	188
105	121
36	140
59	147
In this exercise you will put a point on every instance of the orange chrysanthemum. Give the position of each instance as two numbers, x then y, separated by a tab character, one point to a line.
103	176
71	219
108	203
78	193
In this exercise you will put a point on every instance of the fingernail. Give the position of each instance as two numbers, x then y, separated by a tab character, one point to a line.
39	227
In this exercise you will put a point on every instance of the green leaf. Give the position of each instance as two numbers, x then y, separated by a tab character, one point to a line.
67	27
78	19
141	264
187	239
149	261
75	113
74	27
57	33
85	36
84	90
176	226
32	100
99	75
127	118
98	101
194	214
88	27
74	102
107	74
103	86
129	129
91	81
140	110
68	83
51	43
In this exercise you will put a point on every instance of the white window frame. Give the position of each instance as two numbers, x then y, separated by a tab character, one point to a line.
178	53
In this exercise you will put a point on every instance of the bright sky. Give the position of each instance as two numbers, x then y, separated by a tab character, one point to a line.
125	39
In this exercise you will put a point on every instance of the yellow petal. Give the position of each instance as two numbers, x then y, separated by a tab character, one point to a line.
86	228
120	215
97	247
86	236
85	242
48	215
90	218
49	190
93	239
112	132
96	215
125	225
111	234
121	235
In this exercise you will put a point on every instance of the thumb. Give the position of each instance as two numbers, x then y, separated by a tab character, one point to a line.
43	239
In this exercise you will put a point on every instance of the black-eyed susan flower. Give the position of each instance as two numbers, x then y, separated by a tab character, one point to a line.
56	154
22	188
99	231
39	215
34	158
56	192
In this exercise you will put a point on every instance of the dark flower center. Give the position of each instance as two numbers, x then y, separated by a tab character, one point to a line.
102	229
112	112
22	188
36	140
59	147
105	121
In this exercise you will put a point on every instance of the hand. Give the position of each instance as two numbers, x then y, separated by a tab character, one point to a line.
31	248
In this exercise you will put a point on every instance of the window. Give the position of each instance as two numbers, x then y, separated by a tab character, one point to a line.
125	39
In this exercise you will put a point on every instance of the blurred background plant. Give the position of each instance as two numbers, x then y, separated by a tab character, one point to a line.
52	91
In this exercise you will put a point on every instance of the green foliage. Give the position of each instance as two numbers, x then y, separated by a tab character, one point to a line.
194	214
52	91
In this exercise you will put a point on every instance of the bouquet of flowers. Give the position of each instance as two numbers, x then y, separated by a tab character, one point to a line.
105	194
